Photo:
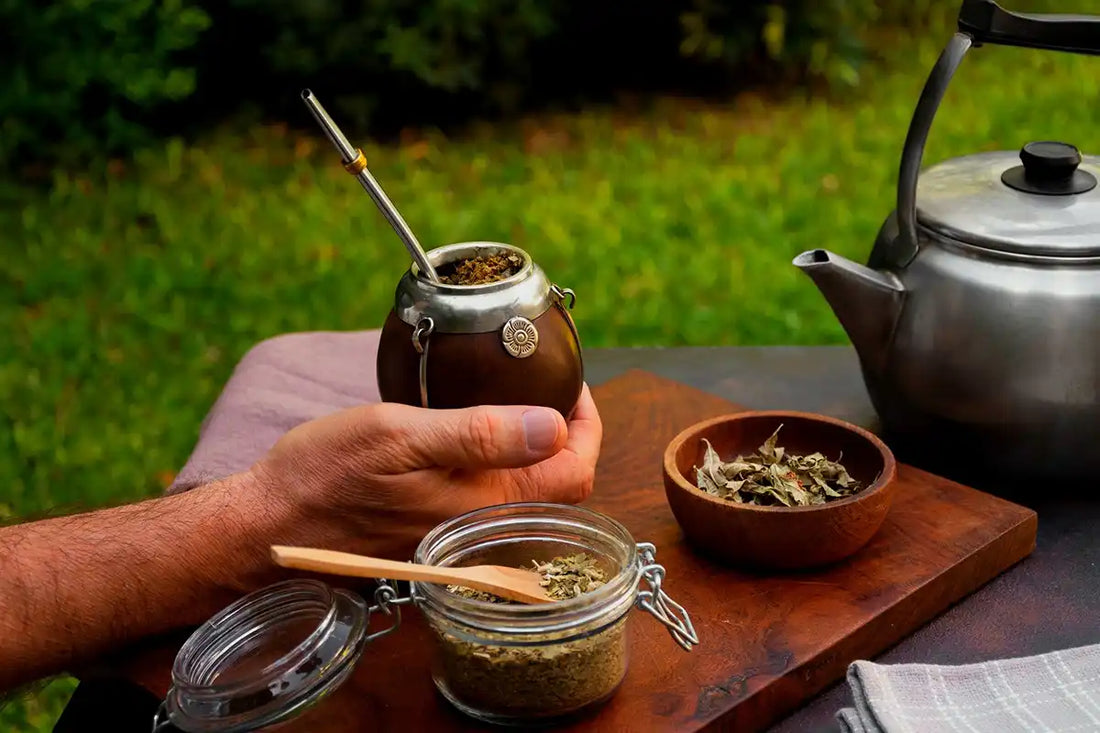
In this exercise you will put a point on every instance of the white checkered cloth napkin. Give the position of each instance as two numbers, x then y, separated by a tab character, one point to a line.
1059	691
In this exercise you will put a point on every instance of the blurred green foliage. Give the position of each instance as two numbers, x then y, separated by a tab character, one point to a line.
422	55
38	708
805	39
76	75
80	79
444	44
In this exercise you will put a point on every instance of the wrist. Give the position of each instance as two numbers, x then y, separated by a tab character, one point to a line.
250	517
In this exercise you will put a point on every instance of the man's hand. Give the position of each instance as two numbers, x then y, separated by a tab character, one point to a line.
375	479
372	479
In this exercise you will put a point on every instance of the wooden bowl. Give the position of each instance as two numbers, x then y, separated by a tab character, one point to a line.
779	537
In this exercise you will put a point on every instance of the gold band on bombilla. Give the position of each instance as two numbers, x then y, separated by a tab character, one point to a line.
356	166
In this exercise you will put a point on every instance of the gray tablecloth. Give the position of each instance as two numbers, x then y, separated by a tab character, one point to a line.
1058	691
280	383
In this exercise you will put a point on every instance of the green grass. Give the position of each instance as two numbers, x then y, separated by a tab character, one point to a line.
128	295
37	709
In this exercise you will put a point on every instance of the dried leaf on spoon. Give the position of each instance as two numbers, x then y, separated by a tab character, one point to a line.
772	477
563	578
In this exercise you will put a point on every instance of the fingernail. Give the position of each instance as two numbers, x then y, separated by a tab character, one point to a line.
541	428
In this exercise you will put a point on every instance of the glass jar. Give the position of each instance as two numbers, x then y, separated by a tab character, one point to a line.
268	658
521	664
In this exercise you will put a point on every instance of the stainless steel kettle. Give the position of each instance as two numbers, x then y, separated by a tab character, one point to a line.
977	317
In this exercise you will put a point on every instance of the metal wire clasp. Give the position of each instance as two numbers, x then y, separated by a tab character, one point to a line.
388	602
657	602
161	723
420	340
562	293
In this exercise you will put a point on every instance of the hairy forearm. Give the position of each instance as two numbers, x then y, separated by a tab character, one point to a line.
73	588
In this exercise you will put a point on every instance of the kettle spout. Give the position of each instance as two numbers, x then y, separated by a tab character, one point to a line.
866	302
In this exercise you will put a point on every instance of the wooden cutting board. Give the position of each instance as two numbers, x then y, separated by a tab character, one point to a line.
767	644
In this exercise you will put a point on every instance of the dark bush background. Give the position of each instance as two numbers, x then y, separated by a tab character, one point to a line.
82	79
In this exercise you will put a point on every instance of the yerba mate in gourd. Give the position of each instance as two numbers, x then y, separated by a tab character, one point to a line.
472	323
510	340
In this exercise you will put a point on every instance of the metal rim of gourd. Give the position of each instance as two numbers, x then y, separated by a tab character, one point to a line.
473	308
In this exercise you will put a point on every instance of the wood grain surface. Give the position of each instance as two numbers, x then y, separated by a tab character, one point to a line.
767	642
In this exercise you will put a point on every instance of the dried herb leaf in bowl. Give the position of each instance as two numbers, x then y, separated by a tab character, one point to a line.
773	477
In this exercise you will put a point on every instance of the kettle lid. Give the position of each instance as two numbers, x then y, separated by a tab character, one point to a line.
1042	201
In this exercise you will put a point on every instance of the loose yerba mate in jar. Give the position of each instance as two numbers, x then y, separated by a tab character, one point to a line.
513	663
496	661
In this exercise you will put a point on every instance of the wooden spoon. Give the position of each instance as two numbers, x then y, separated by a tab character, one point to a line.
513	584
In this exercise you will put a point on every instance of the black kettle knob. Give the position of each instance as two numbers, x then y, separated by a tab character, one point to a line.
1050	161
1049	168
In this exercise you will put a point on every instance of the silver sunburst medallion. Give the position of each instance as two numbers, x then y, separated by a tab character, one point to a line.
520	337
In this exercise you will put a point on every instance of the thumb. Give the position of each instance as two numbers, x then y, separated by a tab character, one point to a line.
490	436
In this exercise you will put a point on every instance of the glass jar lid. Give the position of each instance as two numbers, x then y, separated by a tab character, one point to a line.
266	658
1041	201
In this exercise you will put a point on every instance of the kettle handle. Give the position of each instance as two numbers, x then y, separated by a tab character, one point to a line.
980	22
987	22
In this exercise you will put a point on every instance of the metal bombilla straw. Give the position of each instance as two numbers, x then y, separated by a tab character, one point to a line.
356	164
